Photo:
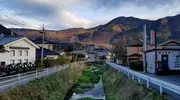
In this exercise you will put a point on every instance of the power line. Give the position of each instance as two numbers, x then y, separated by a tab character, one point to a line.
15	22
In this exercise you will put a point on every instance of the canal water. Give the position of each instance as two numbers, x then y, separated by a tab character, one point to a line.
96	93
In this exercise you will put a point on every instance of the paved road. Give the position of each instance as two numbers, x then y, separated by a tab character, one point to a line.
174	79
170	78
5	84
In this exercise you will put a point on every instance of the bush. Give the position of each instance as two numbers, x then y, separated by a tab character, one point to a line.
102	58
51	62
79	91
138	66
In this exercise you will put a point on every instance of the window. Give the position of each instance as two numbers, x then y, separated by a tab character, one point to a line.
2	63
19	53
25	60
12	53
25	53
49	47
12	61
19	61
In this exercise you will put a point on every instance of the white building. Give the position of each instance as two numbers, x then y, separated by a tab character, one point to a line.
47	44
16	49
168	58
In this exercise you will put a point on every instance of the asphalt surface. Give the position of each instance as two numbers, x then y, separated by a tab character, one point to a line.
174	79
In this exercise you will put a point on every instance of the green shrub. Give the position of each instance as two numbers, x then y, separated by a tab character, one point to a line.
83	85
138	66
84	79
51	62
79	91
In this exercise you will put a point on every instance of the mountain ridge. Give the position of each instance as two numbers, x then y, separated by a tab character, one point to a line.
119	30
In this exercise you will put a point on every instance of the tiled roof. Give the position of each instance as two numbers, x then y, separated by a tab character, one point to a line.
46	52
9	39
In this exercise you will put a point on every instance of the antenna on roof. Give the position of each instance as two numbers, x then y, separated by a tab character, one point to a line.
12	33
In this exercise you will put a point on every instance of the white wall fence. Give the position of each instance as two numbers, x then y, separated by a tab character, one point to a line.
162	85
19	79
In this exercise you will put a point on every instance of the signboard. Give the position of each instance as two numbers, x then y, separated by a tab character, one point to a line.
174	61
153	37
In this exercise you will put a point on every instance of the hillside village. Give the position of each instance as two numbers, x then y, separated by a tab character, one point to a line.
90	50
18	50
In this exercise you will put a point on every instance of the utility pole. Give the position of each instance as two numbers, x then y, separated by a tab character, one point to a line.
155	40
144	49
42	50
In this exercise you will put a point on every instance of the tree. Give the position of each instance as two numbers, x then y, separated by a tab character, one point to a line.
120	51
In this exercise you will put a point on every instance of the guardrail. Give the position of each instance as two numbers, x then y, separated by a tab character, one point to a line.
161	83
19	79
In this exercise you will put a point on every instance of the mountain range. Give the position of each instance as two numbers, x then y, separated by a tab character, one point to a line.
128	30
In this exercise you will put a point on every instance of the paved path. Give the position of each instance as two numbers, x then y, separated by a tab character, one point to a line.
170	78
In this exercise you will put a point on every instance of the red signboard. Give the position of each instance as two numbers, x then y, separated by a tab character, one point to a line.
152	37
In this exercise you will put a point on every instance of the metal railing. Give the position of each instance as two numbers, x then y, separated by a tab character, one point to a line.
162	85
23	78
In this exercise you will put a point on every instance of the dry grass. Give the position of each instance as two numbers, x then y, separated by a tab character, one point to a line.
53	87
119	87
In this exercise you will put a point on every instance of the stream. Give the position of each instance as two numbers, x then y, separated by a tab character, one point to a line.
95	93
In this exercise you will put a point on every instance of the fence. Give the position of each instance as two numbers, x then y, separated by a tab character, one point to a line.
19	79
162	85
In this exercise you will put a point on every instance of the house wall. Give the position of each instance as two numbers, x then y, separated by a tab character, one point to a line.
173	58
52	56
150	56
132	50
47	46
6	57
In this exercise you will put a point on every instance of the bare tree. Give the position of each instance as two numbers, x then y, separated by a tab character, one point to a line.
120	51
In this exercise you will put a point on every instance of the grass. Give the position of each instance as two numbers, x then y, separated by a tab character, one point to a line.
119	87
90	76
53	87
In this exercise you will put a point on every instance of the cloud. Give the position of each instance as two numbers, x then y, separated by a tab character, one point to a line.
60	14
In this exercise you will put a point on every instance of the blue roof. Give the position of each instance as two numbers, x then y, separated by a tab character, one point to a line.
9	39
39	41
46	52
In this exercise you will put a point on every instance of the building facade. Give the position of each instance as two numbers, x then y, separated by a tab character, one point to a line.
166	59
47	44
16	49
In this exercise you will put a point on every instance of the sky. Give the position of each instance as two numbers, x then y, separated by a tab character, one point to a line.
64	14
